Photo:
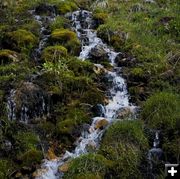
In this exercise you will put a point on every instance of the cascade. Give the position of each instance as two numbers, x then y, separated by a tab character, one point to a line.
82	23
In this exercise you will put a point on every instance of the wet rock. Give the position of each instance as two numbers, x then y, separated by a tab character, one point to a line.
123	59
85	127
98	110
99	69
65	167
101	124
27	102
124	113
98	54
45	9
155	154
91	146
6	146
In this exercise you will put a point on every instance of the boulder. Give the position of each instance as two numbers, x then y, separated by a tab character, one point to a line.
98	54
45	9
27	102
98	110
124	113
101	124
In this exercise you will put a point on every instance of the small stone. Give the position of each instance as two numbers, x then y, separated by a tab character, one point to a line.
64	168
51	155
101	124
18	175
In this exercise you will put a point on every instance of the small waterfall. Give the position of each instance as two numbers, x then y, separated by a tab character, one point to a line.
11	105
155	154
82	23
24	111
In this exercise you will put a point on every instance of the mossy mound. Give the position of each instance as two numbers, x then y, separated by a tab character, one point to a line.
126	132
66	6
100	17
54	53
22	39
30	157
8	56
90	165
161	110
68	39
124	143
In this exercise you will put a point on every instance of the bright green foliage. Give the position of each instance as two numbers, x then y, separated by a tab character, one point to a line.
161	110
91	163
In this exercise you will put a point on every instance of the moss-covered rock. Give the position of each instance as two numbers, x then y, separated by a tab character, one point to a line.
8	56
68	39
54	53
161	110
66	6
100	17
30	157
126	132
124	143
90	165
22	40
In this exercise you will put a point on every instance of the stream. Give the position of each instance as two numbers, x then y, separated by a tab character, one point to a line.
82	23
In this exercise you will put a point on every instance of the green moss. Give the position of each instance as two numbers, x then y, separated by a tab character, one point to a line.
54	53
126	132
66	127
100	17
84	4
8	56
5	169
59	23
73	117
87	175
124	143
67	38
91	163
23	39
137	72
161	110
30	157
26	140
66	6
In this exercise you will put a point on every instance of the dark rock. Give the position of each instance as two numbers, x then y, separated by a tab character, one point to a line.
98	110
98	54
27	102
123	59
46	9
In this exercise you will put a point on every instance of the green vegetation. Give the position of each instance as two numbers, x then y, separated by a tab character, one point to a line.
147	34
68	39
54	53
161	111
88	165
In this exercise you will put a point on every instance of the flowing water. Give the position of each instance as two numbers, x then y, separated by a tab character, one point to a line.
82	23
41	103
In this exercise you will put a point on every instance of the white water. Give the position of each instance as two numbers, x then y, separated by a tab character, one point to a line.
118	97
